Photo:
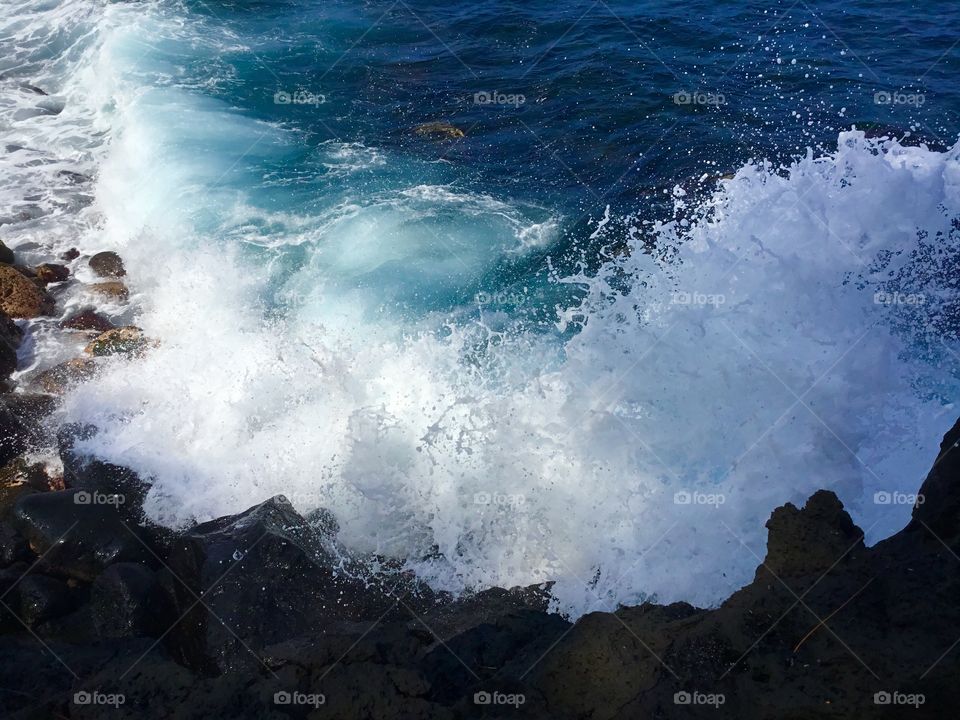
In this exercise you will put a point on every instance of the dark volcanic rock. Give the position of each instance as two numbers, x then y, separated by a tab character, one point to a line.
6	254
13	546
802	542
107	264
827	627
10	337
79	533
42	598
21	422
15	435
82	471
938	508
251	569
127	601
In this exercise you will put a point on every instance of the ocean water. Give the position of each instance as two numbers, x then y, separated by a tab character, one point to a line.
684	264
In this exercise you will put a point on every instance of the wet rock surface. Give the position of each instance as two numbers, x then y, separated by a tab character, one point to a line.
128	340
263	615
107	264
22	297
88	319
58	379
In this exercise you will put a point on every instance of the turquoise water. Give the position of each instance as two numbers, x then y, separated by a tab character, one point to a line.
639	259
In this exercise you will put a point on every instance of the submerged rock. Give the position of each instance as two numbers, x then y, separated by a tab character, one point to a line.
128	340
58	379
21	297
439	129
114	290
107	264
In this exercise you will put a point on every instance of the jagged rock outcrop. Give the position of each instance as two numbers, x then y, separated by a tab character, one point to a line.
275	622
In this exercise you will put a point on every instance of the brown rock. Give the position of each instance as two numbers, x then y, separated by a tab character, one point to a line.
71	254
107	264
87	320
127	340
20	297
442	130
113	289
58	379
51	273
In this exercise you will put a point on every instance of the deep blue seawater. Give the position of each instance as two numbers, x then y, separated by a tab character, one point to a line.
598	120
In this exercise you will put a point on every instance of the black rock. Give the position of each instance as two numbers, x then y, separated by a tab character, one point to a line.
85	472
252	568
938	507
10	337
127	601
42	598
15	435
79	533
13	546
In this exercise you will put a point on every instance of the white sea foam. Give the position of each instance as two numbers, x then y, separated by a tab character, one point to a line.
642	456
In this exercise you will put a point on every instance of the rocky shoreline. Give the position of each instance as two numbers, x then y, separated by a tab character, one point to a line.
264	615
